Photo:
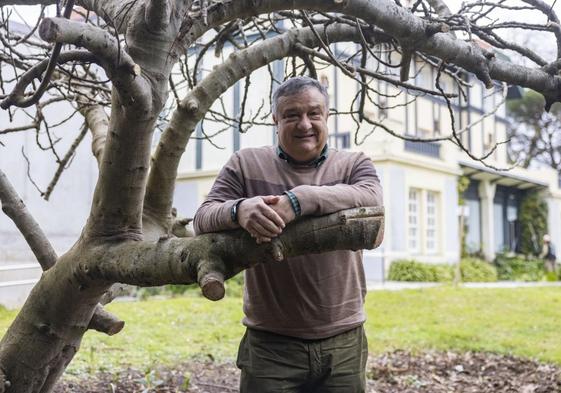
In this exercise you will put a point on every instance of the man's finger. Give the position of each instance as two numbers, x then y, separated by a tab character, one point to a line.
260	240
274	217
264	228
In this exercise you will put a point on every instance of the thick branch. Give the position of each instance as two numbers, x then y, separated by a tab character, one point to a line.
14	208
157	14
405	27
192	108
26	2
120	67
440	7
222	255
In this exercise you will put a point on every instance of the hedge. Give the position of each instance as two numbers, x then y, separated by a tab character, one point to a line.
472	270
519	268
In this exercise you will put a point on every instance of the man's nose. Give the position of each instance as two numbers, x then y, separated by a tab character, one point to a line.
304	123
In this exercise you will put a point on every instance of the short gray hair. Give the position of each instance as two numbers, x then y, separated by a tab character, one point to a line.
295	85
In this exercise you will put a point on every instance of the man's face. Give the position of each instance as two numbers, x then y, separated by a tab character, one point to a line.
301	121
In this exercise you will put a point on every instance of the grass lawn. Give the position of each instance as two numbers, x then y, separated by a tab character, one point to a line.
522	321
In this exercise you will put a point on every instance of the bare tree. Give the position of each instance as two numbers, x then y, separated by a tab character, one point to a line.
149	48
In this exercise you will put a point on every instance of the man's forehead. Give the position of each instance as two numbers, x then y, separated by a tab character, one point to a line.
310	97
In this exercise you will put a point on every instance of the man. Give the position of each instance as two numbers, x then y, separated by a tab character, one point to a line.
548	254
304	316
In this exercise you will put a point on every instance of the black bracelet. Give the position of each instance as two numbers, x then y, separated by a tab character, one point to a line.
294	202
234	211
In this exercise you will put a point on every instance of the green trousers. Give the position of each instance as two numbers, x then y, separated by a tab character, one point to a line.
271	363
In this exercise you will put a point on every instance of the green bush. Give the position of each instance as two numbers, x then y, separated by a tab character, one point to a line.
477	270
533	223
519	268
409	270
444	272
472	269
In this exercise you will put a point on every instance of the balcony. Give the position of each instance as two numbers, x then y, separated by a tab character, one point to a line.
340	141
429	149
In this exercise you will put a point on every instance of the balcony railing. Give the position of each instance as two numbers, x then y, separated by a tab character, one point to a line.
430	149
340	141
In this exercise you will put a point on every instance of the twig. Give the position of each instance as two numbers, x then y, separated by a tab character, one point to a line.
65	160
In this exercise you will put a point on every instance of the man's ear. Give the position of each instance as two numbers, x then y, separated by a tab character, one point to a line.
275	120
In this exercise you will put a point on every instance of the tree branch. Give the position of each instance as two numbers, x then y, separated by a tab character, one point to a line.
105	322
209	259
408	29
157	14
27	2
98	123
163	172
14	208
64	162
552	17
36	96
120	67
18	98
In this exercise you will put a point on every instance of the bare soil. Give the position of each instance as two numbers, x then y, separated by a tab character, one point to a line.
399	372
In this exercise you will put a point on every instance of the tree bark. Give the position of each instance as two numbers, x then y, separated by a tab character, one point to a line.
48	330
115	246
192	108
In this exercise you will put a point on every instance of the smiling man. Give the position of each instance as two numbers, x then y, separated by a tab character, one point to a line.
305	315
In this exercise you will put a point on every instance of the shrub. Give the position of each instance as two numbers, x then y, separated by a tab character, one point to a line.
477	270
409	270
519	268
444	272
533	223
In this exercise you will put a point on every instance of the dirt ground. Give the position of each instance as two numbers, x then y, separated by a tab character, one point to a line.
399	372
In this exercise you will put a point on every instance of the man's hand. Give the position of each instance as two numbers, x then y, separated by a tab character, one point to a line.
284	209
257	216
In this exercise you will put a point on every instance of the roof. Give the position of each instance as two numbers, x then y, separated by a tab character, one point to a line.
503	178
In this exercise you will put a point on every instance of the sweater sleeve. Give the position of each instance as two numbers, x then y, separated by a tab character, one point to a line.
215	213
363	189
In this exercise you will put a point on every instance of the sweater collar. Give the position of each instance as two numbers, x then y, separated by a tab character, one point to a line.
316	162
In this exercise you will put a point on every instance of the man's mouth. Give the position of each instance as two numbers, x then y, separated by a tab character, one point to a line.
305	136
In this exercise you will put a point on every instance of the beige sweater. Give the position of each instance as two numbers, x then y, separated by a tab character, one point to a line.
311	296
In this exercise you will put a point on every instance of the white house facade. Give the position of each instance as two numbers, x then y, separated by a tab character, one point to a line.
419	179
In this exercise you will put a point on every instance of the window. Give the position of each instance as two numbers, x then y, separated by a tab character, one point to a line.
423	229
414	210
436	118
431	222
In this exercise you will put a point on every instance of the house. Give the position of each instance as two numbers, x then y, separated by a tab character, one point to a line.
419	179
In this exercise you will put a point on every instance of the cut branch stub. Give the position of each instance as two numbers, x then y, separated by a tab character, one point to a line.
212	285
105	322
352	229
